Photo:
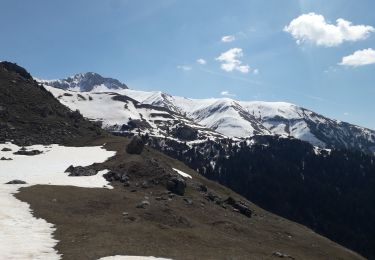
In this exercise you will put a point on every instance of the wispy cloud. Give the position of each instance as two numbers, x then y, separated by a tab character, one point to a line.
226	93
359	58
201	61
184	67
230	61
228	38
314	28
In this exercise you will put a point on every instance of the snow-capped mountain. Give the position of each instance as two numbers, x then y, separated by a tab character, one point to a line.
85	82
242	119
223	116
122	114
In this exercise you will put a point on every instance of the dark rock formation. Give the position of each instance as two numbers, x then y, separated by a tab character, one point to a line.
28	153
16	182
176	185
27	109
240	206
80	171
117	176
135	146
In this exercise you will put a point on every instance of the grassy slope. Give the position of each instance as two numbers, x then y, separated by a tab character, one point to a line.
90	222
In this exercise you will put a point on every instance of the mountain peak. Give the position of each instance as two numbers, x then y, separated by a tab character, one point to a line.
87	81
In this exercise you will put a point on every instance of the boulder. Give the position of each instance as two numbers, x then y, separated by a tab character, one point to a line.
5	149
80	171
176	185
202	188
135	146
143	204
117	176
23	151
241	207
16	182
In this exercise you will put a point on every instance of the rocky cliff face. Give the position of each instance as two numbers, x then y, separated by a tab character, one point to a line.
29	114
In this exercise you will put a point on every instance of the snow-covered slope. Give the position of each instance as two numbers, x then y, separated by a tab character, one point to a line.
226	116
242	119
120	113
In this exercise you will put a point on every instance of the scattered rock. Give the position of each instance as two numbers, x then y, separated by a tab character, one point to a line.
176	185
5	159
135	146
160	198
143	204
146	184
80	171
6	149
16	182
23	151
188	201
281	255
202	188
215	198
241	207
117	176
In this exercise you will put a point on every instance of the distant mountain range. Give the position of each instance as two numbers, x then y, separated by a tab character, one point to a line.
110	101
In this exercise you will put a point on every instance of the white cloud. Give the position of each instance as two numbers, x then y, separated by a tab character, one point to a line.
256	72
227	93
184	67
230	61
314	28
228	38
346	113
201	61
359	58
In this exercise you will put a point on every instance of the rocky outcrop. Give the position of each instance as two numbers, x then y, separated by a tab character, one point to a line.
176	185
23	151
80	171
16	182
240	206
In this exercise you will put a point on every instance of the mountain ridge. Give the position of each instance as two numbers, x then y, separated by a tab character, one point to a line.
241	119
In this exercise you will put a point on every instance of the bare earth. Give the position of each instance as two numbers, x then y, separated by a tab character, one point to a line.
94	223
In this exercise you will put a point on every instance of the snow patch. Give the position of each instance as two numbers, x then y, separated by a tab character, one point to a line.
121	257
22	236
183	174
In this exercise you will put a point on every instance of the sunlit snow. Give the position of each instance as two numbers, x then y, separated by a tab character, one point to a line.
22	236
183	174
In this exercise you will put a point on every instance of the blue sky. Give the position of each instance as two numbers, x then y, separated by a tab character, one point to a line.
274	50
